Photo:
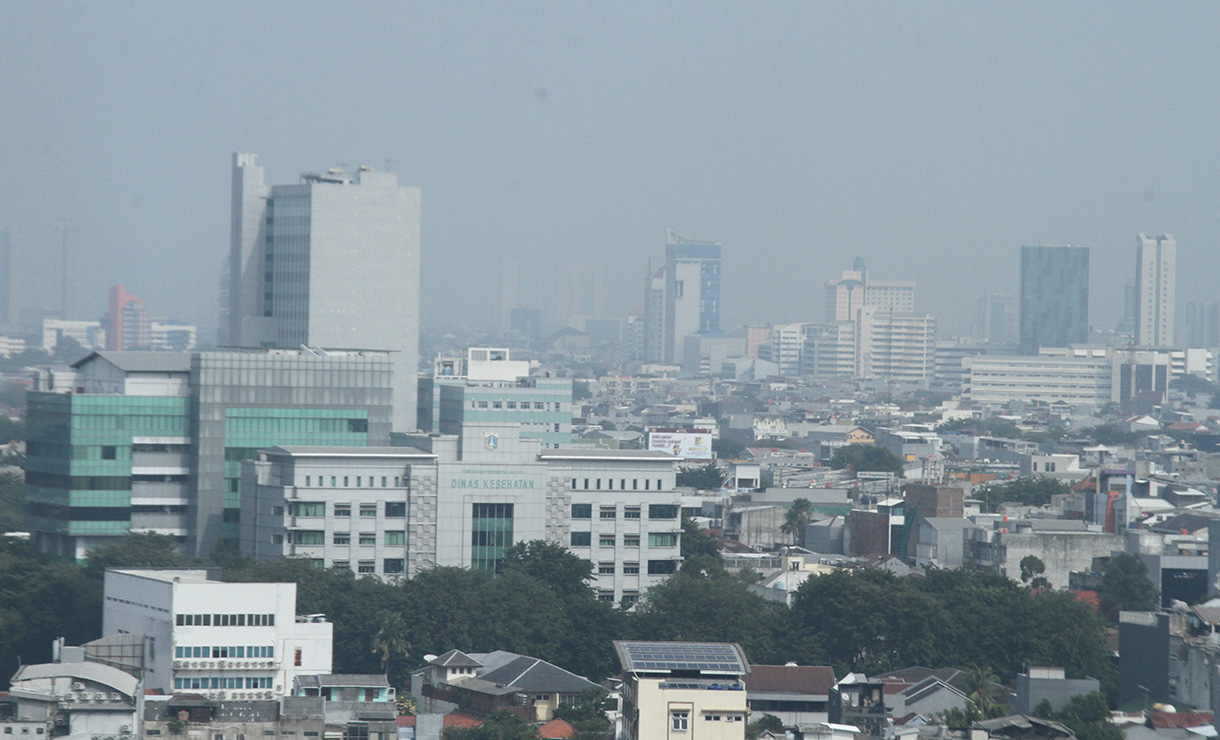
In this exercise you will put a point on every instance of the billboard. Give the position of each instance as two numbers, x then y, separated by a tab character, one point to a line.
687	445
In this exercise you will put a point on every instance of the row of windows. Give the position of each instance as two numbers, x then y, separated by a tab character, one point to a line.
655	511
393	509
525	405
226	682
622	484
389	565
399	481
608	569
224	651
655	539
225	620
317	537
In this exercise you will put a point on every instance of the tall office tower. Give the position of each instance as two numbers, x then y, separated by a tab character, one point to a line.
1054	297
1203	324
1155	262
1130	300
127	321
996	320
330	262
153	441
6	276
692	292
508	292
854	289
654	317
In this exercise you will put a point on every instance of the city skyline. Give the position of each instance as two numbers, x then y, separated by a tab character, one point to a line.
811	166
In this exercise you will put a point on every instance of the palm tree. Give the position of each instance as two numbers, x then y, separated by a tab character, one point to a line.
796	519
391	639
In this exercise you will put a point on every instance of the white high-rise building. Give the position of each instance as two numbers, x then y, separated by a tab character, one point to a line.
222	640
1155	264
330	262
692	292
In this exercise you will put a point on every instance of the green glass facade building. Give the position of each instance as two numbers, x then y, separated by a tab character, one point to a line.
155	441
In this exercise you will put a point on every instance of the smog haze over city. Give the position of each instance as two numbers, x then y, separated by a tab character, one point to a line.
932	139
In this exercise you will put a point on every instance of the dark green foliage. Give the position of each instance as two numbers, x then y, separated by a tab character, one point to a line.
866	457
707	477
501	725
703	602
873	621
695	542
1112	434
726	448
1125	586
588	713
765	723
137	550
12	498
1032	569
1087	715
1028	491
1193	385
41	598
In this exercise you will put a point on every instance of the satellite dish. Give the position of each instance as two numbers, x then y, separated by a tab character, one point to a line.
429	658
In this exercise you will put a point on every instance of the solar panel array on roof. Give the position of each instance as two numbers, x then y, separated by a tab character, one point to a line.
683	656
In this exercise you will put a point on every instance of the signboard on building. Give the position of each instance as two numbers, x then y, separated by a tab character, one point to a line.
686	445
874	475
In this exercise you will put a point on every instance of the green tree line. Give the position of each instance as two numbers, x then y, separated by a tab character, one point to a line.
541	603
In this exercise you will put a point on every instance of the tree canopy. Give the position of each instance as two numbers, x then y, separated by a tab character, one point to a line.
1026	491
861	457
1125	586
705	477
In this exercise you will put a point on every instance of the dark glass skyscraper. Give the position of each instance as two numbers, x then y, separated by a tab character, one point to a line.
1054	297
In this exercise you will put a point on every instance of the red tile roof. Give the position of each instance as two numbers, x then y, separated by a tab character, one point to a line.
406	720
1168	720
557	728
461	720
794	679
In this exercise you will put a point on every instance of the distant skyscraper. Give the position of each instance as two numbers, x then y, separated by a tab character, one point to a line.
1202	325
854	289
1155	264
331	262
127	322
6	276
692	292
508	292
1054	297
653	344
996	320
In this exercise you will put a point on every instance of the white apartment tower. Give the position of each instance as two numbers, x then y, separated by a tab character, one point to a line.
332	261
1155	264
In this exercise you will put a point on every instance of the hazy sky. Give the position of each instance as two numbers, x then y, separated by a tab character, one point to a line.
931	138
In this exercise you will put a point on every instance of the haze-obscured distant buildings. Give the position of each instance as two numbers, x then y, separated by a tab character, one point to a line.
1054	299
1155	273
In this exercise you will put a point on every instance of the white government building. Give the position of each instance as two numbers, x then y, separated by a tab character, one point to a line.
461	500
239	641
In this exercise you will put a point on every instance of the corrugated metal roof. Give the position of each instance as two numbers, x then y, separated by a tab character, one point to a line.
142	362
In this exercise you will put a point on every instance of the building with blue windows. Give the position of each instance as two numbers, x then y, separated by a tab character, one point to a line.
153	441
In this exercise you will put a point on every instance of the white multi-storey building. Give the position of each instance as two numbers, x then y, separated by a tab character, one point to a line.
461	501
223	640
1155	265
330	262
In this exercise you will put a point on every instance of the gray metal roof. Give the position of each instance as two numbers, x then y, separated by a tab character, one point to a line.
142	362
340	451
536	676
118	680
455	659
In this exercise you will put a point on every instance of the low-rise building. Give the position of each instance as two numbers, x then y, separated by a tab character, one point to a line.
796	694
683	689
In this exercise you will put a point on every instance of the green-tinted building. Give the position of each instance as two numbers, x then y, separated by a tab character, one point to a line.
153	441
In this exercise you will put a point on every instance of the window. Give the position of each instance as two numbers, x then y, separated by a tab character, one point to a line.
586	484
662	539
598	483
368	510
332	482
496	404
384	481
359	481
395	509
662	511
631	569
662	567
679	721
109	452
277	511
605	569
394	565
581	539
342	564
711	718
308	508
605	596
346	482
491	533
605	540
631	512
365	566
635	484
342	538
631	540
582	511
396	537
308	481
343	509
307	537
607	512
512	404
539	405
368	538
277	539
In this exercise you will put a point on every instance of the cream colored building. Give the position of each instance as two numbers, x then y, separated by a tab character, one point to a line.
683	690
